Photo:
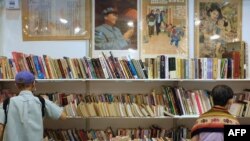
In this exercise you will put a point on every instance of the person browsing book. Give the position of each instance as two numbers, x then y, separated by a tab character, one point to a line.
108	36
210	125
23	120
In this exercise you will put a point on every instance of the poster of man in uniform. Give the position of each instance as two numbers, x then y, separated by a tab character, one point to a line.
217	22
115	24
164	28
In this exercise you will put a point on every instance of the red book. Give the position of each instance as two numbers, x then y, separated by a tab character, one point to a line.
235	55
198	101
20	61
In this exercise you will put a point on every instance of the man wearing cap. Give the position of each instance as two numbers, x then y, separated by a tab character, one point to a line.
24	116
108	36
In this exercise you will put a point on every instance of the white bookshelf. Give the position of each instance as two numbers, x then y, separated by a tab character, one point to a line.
121	86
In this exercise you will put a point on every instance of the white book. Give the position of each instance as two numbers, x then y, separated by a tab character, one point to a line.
166	68
235	109
180	99
195	103
247	114
144	112
149	110
161	110
138	110
128	110
205	69
121	110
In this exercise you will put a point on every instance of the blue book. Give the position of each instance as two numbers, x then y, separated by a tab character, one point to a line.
132	67
40	74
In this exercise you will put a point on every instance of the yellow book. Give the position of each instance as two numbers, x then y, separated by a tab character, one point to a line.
215	68
144	112
83	109
178	68
106	111
91	109
98	109
102	109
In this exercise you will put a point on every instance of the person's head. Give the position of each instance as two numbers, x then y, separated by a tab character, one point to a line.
110	15
214	12
222	96
25	80
157	11
222	23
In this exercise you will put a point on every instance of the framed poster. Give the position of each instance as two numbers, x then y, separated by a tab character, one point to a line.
115	28
56	19
164	28
217	22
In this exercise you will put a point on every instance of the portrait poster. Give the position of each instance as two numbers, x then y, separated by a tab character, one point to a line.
56	19
217	23
164	28
115	28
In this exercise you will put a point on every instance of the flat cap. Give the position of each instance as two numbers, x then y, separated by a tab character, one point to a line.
109	10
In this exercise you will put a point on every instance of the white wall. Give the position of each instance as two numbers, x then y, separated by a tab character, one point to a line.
11	36
246	29
1	28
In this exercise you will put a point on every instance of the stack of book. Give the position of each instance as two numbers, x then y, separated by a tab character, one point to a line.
171	101
132	134
232	65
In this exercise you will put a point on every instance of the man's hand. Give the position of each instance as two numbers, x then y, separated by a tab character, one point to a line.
63	116
127	35
1	131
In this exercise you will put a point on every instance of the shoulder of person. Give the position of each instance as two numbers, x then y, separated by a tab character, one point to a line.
100	30
117	29
100	27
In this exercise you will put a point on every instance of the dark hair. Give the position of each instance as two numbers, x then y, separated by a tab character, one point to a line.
221	94
225	22
214	7
22	86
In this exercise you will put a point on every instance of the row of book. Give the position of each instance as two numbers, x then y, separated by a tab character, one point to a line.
232	65
170	101
45	67
153	133
196	103
111	67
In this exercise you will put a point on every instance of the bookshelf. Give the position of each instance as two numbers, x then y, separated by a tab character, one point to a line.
73	84
119	86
